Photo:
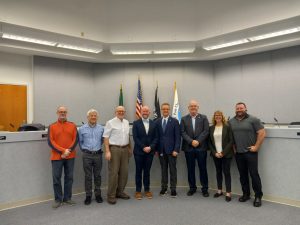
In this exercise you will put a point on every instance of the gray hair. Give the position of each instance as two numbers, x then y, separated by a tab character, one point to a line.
92	111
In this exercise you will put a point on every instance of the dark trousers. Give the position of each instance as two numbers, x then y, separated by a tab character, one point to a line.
167	161
248	163
92	165
223	165
57	168
143	165
191	158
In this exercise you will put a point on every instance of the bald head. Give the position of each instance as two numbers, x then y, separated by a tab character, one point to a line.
145	111
193	107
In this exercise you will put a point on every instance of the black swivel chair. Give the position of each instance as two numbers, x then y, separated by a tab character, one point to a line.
31	127
295	123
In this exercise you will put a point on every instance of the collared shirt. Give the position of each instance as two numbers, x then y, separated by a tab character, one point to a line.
164	118
90	138
117	131
194	121
146	124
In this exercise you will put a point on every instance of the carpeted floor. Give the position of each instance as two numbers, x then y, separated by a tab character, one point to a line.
183	210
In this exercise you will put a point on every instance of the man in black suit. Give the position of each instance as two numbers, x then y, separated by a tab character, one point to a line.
194	131
168	148
145	141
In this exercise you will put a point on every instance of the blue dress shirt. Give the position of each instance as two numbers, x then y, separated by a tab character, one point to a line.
90	138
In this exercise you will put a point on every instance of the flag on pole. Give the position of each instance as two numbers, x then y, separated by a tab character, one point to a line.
121	96
139	101
156	112
176	110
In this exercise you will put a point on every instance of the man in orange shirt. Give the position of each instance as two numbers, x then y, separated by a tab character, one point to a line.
62	138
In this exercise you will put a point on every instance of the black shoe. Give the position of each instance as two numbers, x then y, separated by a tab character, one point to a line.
205	193
99	199
218	195
244	198
163	192
191	192
257	202
173	194
227	198
88	200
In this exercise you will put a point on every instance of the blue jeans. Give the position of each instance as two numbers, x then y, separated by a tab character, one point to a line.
57	168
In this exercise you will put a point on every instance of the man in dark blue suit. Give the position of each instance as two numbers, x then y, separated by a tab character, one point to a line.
145	141
168	148
195	131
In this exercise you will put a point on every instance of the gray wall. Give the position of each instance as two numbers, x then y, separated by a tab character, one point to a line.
267	82
194	80
62	82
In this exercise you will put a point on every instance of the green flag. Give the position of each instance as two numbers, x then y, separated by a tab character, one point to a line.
121	96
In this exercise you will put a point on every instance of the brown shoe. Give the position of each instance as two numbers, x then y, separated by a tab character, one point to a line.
111	201
148	194
138	195
123	196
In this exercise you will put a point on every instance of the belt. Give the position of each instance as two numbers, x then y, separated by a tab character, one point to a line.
92	152
120	146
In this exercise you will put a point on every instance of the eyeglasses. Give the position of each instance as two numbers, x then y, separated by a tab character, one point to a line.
62	111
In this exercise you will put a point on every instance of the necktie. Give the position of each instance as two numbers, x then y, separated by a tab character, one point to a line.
164	125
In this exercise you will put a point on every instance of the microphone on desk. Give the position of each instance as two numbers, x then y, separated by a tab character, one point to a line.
276	122
11	125
82	122
228	118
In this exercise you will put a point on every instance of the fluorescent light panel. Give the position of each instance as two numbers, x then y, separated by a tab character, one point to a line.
228	44
27	39
78	48
178	51
275	34
142	52
255	38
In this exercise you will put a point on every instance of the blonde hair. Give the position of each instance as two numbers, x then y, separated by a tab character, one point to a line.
224	120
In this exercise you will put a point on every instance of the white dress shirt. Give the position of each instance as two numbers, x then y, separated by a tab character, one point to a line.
117	131
146	124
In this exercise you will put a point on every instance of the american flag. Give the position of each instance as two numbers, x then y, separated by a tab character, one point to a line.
139	101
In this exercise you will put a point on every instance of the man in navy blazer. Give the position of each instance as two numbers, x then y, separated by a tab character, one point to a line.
195	131
168	148
145	141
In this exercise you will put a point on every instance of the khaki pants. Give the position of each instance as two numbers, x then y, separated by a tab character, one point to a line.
117	171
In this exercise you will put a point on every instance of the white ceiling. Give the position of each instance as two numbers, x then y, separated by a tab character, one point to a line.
148	23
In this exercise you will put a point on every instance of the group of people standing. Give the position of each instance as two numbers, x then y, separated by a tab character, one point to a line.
242	136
